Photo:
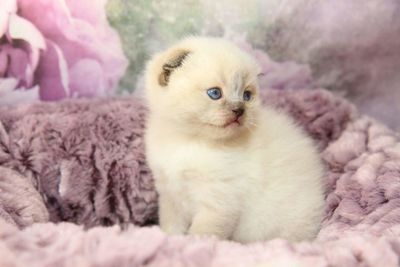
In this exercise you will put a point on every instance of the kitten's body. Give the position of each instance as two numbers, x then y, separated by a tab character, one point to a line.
254	180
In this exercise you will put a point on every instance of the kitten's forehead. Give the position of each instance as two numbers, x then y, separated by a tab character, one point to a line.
235	82
238	81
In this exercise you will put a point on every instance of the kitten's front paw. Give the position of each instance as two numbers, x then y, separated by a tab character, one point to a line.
203	233
173	229
208	229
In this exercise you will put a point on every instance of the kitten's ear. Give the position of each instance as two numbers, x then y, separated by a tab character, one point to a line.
174	60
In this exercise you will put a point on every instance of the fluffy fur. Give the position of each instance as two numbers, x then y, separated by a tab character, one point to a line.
219	174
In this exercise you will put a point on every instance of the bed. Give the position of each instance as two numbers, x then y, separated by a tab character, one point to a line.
75	189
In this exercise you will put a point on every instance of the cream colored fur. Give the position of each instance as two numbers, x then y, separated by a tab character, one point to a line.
254	181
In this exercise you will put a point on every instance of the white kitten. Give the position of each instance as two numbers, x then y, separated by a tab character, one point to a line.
223	164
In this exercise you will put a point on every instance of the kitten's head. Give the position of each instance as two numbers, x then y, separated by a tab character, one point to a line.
205	87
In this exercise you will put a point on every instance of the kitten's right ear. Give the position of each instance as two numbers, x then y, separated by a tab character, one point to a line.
174	61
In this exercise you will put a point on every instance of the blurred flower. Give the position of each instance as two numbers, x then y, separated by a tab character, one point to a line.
279	75
52	49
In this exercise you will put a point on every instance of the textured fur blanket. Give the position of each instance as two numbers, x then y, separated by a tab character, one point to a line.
69	169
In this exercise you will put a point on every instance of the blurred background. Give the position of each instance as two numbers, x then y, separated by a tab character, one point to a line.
350	47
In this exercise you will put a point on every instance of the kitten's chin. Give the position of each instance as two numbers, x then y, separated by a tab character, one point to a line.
210	131
227	125
230	130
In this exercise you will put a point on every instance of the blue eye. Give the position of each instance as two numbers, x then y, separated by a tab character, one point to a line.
246	95
214	93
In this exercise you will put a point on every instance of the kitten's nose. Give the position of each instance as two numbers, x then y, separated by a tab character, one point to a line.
238	111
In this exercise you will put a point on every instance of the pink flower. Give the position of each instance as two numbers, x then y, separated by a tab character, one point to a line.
53	49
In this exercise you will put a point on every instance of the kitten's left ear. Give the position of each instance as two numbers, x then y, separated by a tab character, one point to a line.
174	61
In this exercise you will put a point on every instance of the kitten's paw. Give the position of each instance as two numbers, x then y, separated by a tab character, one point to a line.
207	230
173	229
211	223
209	235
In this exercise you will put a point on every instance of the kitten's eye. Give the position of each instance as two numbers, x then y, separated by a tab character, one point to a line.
214	93
246	95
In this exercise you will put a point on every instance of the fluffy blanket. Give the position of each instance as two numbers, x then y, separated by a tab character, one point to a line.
69	169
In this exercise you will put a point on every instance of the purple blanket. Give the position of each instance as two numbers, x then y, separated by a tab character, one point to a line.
69	169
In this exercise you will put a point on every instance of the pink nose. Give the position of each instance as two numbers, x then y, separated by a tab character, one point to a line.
238	112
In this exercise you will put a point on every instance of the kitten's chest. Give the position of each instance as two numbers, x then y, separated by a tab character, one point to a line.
192	174
194	165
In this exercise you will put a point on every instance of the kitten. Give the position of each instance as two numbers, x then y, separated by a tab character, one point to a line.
224	165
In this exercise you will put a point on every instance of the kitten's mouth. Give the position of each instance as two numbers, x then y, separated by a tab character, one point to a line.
232	123
235	122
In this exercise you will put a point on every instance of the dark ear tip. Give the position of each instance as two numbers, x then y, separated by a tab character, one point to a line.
172	63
